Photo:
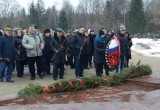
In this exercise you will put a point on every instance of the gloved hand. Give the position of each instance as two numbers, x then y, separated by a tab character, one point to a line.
31	47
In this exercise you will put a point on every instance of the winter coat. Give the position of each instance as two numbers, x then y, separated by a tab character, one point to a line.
129	56
47	47
7	47
33	40
99	50
91	43
123	44
77	42
21	53
59	52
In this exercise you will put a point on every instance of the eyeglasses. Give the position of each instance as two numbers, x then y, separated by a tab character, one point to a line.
123	30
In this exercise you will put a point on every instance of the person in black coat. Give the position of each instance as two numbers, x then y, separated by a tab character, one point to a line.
47	52
87	52
129	56
99	52
7	54
123	48
21	54
92	37
69	51
79	45
59	46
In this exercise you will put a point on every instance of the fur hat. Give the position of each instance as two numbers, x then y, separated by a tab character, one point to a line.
47	31
101	32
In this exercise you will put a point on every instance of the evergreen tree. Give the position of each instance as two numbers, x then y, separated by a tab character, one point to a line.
63	22
40	13
33	14
136	17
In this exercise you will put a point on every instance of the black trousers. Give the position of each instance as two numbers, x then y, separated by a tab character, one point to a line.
86	61
90	57
20	67
58	69
79	65
31	64
46	64
70	61
106	68
99	68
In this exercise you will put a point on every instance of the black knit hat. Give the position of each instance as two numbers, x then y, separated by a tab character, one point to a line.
47	31
101	32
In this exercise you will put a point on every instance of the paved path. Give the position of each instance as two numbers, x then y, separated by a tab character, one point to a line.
9	91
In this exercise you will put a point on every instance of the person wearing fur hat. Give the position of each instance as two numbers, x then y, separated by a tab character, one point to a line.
59	46
7	54
123	47
47	52
21	54
99	52
92	37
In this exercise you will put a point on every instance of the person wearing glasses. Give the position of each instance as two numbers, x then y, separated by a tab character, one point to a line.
7	54
121	34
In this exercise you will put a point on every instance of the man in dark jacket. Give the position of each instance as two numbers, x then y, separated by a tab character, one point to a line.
79	46
92	37
123	47
21	54
7	54
59	45
47	53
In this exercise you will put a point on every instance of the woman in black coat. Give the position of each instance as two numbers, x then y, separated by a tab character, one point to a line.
99	52
21	55
47	53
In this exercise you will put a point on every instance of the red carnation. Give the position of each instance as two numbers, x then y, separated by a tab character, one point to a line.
19	46
62	46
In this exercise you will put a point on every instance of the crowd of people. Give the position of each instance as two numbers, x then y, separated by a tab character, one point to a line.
79	50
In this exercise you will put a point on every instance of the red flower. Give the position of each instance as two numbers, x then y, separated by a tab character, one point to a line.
62	46
19	46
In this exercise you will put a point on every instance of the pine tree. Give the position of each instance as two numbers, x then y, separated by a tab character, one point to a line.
40	13
33	14
63	22
136	17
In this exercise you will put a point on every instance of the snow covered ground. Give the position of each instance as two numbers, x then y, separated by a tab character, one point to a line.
146	47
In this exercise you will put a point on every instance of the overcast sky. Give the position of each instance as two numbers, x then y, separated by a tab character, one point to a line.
48	3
